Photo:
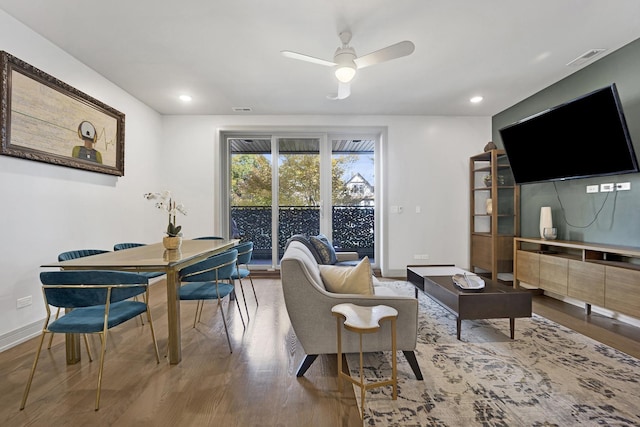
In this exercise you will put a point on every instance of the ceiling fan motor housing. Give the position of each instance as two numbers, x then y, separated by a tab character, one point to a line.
344	57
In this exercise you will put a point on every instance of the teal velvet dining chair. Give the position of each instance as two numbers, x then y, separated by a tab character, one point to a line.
128	245
210	279
79	253
66	256
96	301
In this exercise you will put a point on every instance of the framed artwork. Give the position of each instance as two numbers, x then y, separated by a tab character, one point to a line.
46	120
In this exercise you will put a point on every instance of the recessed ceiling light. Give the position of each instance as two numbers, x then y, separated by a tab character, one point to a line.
185	98
476	99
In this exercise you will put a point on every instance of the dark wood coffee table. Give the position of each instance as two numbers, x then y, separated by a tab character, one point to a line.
495	301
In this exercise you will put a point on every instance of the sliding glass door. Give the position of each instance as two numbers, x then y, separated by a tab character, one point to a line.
353	195
282	185
299	199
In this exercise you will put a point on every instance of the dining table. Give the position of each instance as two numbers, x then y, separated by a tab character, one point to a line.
152	257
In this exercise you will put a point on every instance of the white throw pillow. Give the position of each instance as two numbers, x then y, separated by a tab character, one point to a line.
348	280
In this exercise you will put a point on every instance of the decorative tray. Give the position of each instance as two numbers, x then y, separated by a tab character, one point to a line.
468	282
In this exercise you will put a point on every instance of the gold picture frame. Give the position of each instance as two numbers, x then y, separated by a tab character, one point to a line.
46	120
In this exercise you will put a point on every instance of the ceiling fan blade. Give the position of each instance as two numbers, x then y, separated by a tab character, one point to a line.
344	90
388	53
302	57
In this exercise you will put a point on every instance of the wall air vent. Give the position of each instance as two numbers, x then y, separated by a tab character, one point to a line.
587	56
241	109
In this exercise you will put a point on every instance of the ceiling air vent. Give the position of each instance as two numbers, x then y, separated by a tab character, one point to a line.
241	109
587	56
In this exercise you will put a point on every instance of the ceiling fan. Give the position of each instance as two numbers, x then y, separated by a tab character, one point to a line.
346	62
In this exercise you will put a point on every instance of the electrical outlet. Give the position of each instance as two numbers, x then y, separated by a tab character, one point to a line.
605	188
24	302
592	188
623	186
421	256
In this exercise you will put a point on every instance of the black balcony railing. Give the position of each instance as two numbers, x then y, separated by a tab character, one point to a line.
353	227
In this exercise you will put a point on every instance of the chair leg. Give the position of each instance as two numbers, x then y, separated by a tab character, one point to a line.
244	326
198	311
246	309
135	298
51	337
254	290
102	351
413	362
224	321
153	334
33	370
306	363
86	344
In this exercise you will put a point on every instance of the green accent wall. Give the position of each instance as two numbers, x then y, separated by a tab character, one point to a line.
608	218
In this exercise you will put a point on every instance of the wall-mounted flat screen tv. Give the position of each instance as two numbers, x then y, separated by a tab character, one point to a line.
585	137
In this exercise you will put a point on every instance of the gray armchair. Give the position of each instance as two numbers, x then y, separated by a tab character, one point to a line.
309	307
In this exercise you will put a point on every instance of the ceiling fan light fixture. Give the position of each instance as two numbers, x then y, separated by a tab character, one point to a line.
345	66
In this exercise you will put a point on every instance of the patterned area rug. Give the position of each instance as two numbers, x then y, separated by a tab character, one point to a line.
548	376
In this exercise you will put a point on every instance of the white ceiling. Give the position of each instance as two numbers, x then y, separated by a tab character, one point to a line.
226	53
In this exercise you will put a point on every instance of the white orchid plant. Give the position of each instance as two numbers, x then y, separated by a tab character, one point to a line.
165	202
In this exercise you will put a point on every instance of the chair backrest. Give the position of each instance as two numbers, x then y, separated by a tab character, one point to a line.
220	267
83	288
209	238
127	245
245	250
79	253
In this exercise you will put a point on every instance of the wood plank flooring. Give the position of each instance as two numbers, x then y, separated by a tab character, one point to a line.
254	386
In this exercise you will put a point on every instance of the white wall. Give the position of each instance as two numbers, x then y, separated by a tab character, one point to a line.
425	163
47	209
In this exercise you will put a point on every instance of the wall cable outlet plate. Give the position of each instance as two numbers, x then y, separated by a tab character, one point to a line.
605	188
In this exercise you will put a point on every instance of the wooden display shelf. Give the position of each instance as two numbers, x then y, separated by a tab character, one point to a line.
491	234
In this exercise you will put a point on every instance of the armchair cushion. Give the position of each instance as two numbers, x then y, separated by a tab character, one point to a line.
348	280
306	242
324	248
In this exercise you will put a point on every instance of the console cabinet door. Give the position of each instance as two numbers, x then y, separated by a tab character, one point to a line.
622	294
528	267
554	272
586	282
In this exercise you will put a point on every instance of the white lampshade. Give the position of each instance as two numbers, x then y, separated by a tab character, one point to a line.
345	73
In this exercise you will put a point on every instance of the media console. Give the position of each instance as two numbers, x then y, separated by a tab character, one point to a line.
607	276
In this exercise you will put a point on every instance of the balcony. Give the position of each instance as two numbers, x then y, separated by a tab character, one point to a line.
353	228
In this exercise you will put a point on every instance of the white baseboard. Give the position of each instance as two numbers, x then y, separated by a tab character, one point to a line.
18	336
396	273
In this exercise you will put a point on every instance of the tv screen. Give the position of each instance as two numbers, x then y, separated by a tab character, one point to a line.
585	137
